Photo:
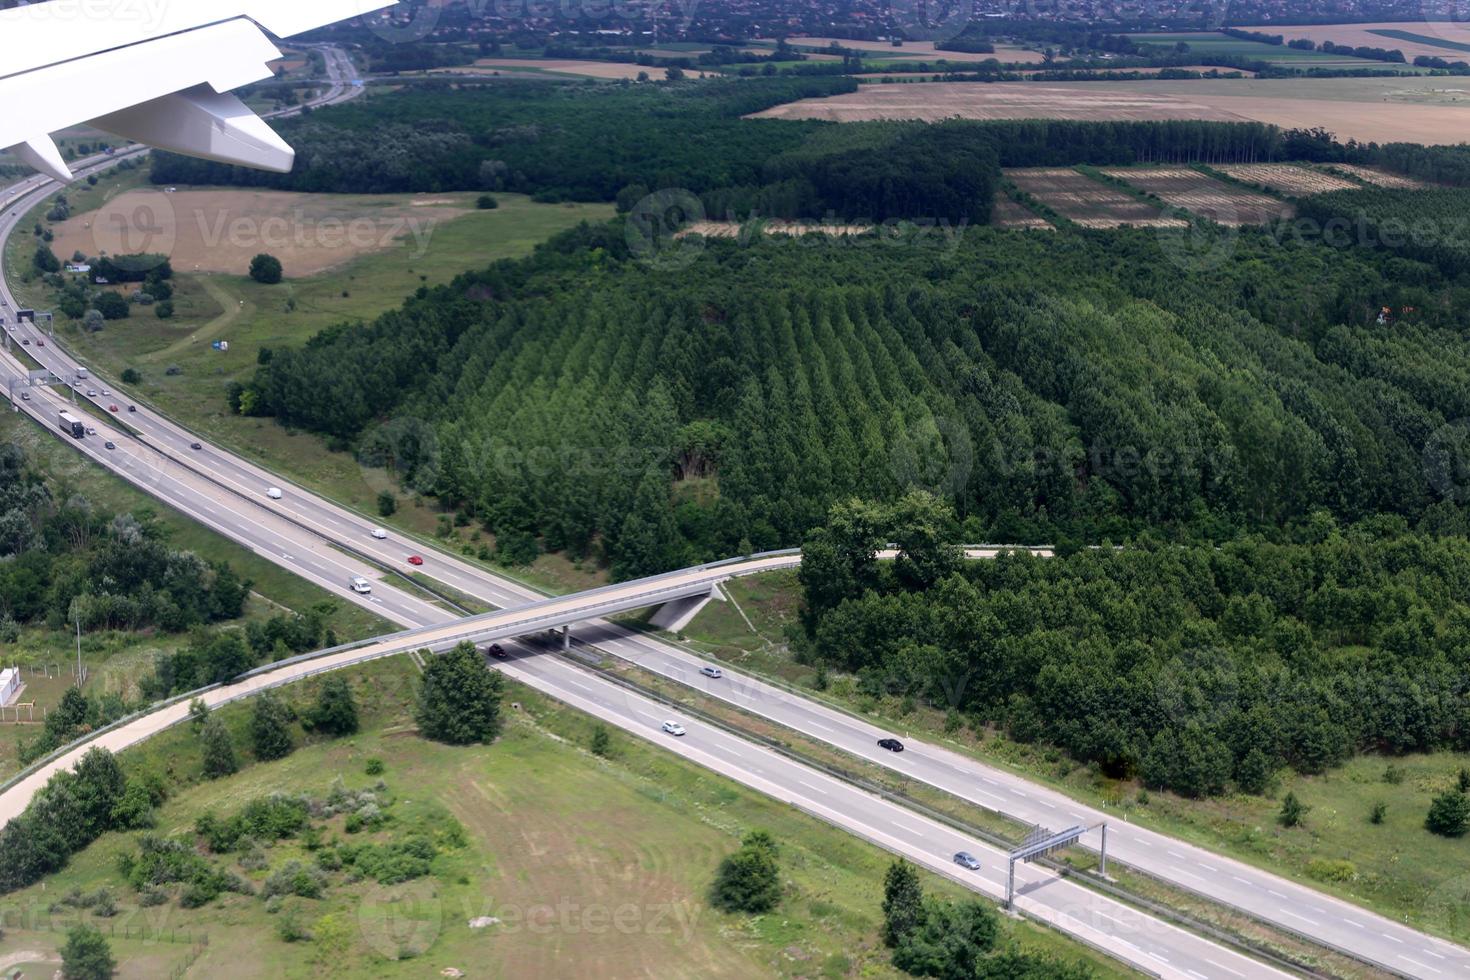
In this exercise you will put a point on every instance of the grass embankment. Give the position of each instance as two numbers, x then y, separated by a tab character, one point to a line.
595	865
1396	868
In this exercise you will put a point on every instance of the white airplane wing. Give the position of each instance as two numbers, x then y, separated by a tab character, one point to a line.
155	73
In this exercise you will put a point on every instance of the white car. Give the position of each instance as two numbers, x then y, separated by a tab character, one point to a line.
673	728
361	585
273	492
380	534
91	392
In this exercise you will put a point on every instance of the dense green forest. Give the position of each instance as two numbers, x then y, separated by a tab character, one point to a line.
63	559
1194	667
597	142
601	143
1432	224
1076	385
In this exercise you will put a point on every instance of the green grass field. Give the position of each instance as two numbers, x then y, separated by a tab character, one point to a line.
560	841
1396	868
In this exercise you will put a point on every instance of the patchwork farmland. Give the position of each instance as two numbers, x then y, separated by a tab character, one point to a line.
1007	213
1203	195
1379	178
1288	178
1088	202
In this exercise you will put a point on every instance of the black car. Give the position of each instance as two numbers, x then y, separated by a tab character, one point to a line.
891	744
109	445
496	650
196	445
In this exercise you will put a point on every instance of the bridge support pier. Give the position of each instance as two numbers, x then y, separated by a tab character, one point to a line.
676	614
566	637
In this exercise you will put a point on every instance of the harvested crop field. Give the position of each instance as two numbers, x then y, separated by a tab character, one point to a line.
1087	202
1004	100
1006	213
1390	110
1288	178
221	230
1437	39
1203	195
1381	178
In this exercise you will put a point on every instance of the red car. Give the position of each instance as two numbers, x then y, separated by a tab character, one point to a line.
40	342
415	560
112	408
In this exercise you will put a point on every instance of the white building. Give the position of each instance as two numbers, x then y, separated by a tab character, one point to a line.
9	684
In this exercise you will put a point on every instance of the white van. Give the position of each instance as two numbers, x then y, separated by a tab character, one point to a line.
273	492
361	585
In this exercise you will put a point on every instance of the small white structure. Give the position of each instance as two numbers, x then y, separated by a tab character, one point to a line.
9	684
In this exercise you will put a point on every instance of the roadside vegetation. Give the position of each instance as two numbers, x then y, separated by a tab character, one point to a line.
297	864
150	587
1359	829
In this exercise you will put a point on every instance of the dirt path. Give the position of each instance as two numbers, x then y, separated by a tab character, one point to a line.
231	307
25	956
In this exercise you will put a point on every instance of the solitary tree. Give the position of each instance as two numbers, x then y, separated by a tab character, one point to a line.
270	732
86	955
1449	814
1293	811
459	702
601	741
903	901
219	749
749	880
335	711
266	269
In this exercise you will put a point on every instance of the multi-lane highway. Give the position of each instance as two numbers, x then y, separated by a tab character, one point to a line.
328	544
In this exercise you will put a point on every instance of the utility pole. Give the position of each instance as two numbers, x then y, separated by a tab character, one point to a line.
79	650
